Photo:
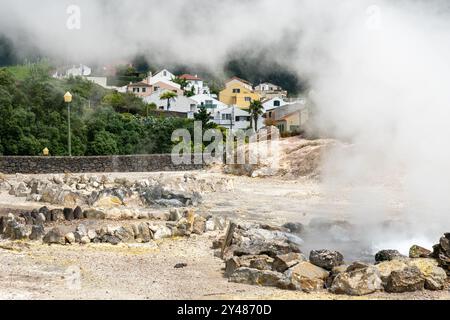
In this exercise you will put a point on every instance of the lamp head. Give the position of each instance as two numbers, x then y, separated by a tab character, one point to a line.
67	97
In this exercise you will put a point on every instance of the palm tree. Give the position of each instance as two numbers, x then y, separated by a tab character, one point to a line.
168	95
256	109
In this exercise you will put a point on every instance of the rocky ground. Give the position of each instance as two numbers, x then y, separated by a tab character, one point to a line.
179	267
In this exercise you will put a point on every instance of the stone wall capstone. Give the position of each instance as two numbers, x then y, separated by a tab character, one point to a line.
132	163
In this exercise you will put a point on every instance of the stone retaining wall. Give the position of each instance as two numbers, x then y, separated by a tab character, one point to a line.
134	163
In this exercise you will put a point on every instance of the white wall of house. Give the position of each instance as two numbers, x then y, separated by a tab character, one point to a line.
164	75
274	103
178	104
205	99
232	118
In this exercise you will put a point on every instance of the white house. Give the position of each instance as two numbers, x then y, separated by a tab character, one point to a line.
232	118
178	104
211	103
273	103
163	75
196	83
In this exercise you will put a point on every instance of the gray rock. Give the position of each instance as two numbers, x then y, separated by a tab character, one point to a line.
68	214
144	233
294	227
94	214
92	234
37	232
285	261
44	210
57	215
306	277
326	259
199	225
257	277
409	279
359	279
387	255
70	238
114	240
78	213
126	234
175	215
162	232
54	236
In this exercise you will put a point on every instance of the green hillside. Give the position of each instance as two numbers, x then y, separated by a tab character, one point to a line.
33	116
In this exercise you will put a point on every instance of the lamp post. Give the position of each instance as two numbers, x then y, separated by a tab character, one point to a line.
68	100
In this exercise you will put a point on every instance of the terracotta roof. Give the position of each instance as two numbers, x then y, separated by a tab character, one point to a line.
189	77
239	79
139	84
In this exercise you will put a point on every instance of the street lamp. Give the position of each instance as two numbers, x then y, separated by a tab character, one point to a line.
68	100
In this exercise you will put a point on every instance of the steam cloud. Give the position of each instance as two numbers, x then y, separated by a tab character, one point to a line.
379	73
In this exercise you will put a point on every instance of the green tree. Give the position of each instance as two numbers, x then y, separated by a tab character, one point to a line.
204	116
181	81
256	109
104	143
168	95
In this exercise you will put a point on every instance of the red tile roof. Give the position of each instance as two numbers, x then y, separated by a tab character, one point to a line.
189	77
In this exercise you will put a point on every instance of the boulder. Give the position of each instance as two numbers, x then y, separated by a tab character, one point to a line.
78	213
409	279
126	234
358	279
387	255
143	233
92	234
435	277
46	212
175	214
441	252
57	215
162	232
85	240
306	277
261	262
387	267
114	240
70	238
257	277
199	225
54	236
326	259
285	261
419	252
108	202
68	214
334	273
2	224
94	214
37	232
294	227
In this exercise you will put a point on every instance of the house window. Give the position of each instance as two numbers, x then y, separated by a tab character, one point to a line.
156	88
248	99
276	103
242	118
226	116
144	89
270	114
165	73
236	90
161	108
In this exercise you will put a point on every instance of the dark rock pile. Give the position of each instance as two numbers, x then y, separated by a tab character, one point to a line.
441	252
26	226
270	256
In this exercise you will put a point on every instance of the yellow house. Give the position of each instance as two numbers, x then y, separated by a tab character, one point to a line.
238	92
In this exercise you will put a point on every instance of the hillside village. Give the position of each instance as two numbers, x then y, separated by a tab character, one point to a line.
184	95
